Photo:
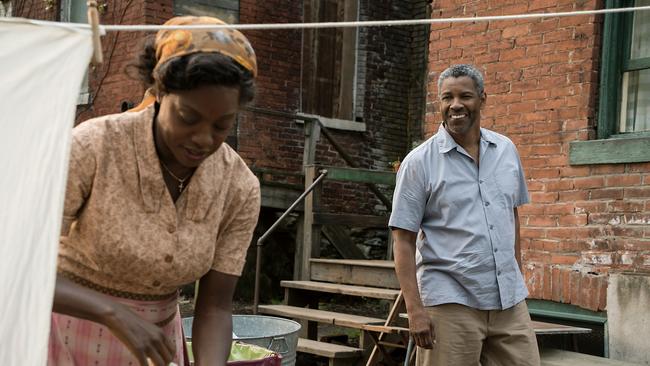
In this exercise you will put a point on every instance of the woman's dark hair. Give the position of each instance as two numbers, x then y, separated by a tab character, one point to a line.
192	71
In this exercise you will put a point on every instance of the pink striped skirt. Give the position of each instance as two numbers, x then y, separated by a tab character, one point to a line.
79	342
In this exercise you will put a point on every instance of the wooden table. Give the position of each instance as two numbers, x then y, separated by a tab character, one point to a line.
542	328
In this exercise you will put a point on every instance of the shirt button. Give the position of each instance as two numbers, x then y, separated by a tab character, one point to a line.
496	250
169	258
171	229
498	273
491	227
480	181
487	204
156	283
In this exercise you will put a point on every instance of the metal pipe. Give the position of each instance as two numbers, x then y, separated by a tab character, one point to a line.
260	241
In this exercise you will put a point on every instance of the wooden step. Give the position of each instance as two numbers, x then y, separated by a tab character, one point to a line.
335	288
321	316
328	350
359	272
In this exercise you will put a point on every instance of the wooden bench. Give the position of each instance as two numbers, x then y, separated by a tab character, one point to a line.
556	357
335	288
338	355
543	328
321	316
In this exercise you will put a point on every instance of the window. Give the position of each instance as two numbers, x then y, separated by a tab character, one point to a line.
5	8
635	91
226	10
75	11
330	61
624	105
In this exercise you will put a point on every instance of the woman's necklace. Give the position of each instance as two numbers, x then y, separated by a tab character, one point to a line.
181	182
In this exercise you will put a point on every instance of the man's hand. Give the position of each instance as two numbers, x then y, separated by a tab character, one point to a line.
421	328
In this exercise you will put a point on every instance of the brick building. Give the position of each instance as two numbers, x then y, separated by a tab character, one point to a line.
370	81
572	94
367	85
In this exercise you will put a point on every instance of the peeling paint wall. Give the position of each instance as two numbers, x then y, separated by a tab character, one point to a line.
628	314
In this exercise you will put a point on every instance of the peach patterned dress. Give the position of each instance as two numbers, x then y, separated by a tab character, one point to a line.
124	237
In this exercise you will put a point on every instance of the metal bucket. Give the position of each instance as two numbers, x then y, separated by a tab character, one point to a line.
277	334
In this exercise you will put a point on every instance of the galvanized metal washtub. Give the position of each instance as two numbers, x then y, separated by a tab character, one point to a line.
277	334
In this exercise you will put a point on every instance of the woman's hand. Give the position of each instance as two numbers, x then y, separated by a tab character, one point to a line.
145	340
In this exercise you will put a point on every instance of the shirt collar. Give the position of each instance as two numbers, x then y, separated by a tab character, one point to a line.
152	186
447	143
199	191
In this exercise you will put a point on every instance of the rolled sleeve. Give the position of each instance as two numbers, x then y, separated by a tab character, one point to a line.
522	189
232	244
409	198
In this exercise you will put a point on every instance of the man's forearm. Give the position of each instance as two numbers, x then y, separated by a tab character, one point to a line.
404	253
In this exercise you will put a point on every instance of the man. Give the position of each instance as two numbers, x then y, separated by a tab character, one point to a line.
456	237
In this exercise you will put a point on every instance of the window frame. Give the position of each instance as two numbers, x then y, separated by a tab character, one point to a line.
611	145
64	16
6	8
199	9
339	103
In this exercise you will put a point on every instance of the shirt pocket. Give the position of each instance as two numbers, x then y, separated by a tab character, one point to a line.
507	184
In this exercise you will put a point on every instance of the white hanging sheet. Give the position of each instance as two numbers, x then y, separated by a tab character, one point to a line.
41	69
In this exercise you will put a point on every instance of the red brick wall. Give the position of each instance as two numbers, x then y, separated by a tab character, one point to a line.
264	141
36	9
269	142
542	85
109	85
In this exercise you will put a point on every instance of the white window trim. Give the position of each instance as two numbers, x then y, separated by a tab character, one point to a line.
5	8
84	94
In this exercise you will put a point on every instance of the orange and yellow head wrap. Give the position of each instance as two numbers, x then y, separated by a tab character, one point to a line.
176	43
229	42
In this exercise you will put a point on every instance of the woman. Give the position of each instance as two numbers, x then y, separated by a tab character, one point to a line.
155	200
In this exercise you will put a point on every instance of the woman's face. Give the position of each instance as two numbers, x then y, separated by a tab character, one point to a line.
192	124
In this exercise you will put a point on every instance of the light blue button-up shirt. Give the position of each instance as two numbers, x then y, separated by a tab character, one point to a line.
464	216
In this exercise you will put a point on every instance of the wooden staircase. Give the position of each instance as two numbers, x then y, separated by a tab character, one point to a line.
354	278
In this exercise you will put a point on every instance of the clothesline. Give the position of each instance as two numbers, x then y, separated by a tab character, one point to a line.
355	24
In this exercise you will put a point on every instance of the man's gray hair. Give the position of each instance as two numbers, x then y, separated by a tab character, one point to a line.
457	71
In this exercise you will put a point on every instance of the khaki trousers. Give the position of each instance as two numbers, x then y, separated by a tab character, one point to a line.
470	337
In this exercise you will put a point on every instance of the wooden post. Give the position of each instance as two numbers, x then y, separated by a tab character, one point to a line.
297	258
312	136
389	245
311	232
305	238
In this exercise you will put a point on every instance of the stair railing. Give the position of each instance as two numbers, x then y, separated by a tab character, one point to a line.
262	239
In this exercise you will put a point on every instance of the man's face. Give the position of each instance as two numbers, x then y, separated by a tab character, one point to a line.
460	105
